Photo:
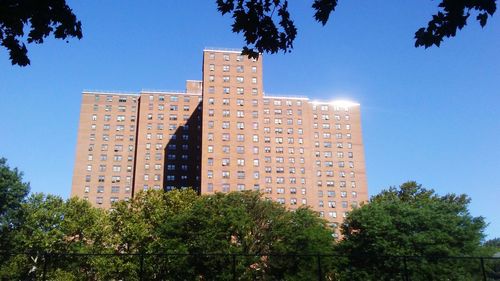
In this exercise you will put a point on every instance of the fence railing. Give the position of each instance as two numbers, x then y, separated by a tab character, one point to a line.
238	266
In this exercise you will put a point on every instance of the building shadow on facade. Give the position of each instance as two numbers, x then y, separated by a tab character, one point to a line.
182	155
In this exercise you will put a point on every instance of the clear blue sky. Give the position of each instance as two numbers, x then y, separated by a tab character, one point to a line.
428	115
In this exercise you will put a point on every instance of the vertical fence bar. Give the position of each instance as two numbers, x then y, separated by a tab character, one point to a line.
482	269
44	272
141	266
320	274
407	277
234	266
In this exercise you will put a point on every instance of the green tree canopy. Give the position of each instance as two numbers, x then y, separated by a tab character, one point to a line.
410	221
13	192
181	222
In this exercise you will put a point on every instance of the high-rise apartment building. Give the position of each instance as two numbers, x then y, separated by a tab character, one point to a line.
222	134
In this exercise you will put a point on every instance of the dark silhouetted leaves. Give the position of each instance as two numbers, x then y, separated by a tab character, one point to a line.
323	9
268	27
265	24
41	18
452	17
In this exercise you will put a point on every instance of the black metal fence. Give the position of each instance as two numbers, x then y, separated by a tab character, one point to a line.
176	266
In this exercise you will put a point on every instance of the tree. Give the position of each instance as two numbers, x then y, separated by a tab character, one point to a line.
51	226
265	32
41	18
411	221
202	232
13	192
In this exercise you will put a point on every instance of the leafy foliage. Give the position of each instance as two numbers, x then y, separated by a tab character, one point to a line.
265	32
254	18
12	194
453	16
411	221
41	18
183	236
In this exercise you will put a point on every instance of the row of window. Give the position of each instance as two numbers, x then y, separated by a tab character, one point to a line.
120	98
120	108
159	136
116	147
279	102
325	107
227	101
159	156
157	177
171	98
227	113
107	127
115	168
106	137
114	189
227	90
227	78
114	179
116	158
227	57
327	117
171	127
227	68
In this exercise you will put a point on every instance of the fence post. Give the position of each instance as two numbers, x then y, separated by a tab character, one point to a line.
482	269
407	277
320	274
44	272
234	266
141	268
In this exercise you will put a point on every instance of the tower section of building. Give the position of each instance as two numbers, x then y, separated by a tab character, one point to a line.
105	155
231	127
337	156
169	139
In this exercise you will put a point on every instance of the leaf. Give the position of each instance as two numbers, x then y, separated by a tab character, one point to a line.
323	9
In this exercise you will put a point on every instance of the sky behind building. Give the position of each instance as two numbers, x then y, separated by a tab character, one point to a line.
427	115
